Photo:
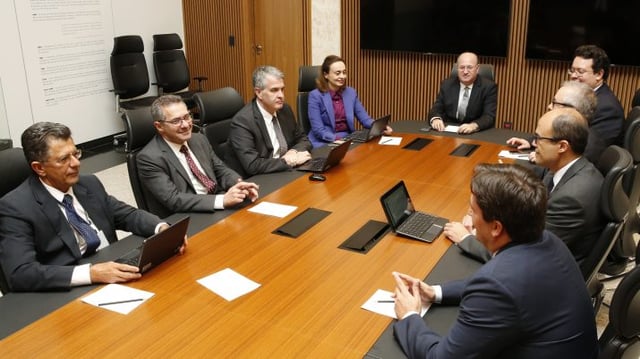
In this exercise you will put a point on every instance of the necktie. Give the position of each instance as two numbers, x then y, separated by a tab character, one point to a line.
462	106
209	184
80	225
548	181
279	136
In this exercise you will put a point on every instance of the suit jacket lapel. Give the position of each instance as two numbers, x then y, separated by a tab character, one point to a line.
52	211
198	151
168	153
328	104
347	101
257	116
575	168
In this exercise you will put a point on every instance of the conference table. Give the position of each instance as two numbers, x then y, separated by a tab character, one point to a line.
311	291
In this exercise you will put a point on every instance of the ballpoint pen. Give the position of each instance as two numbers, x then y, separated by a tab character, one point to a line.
120	302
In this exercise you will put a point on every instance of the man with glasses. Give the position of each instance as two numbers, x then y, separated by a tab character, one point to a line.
591	66
179	169
57	216
581	97
573	210
467	100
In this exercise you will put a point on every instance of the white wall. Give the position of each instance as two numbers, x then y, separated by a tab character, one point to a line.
325	30
36	88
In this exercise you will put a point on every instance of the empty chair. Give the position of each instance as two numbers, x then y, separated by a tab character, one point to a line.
621	337
139	131
170	65
129	73
306	83
614	163
217	109
484	70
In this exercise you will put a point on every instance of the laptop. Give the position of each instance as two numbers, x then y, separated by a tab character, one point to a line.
366	135
405	220
157	248
322	164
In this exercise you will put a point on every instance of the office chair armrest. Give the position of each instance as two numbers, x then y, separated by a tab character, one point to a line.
200	79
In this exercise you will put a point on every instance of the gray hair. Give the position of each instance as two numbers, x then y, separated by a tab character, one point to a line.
35	139
160	103
581	97
260	75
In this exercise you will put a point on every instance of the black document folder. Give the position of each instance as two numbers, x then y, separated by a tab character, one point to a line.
302	222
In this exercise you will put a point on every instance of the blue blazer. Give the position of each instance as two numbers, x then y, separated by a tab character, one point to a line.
323	120
528	302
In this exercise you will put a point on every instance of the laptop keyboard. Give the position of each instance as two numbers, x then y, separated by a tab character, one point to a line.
357	136
317	164
131	258
417	224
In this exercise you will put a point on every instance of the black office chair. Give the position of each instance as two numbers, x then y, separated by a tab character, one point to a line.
170	65
306	83
621	337
129	73
139	130
614	163
15	169
217	109
484	70
636	99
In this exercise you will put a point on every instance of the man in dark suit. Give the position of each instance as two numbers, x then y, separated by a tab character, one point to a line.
573	212
468	100
529	301
591	66
165	166
42	238
265	135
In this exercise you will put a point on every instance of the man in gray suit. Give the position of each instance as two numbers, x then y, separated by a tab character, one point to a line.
265	135
57	216
179	169
573	211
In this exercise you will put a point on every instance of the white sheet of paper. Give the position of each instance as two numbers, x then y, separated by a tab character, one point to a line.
117	293
228	284
516	156
273	209
386	307
390	140
451	128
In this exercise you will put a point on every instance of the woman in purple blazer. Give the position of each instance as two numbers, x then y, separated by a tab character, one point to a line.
334	106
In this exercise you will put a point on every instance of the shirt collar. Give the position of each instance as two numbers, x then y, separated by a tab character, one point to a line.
560	173
57	194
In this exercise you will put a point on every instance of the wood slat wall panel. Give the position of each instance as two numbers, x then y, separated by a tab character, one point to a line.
208	25
406	84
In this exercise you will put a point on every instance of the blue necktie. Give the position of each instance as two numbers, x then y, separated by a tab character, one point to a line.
80	225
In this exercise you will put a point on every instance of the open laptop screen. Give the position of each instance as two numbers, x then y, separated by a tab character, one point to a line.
397	204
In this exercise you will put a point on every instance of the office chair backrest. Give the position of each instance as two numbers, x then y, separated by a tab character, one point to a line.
128	67
306	83
14	168
217	109
169	63
636	99
140	130
620	338
484	70
614	163
631	183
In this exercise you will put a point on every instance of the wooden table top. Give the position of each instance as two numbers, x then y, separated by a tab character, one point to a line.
308	304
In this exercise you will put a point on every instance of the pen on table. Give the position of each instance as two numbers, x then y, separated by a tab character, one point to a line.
386	301
385	141
120	302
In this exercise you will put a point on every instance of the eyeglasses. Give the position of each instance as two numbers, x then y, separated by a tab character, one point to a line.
563	104
578	72
64	160
537	138
178	121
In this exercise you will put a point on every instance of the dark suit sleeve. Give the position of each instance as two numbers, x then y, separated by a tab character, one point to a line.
224	176
565	218
484	326
439	107
489	99
154	176
471	247
19	257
